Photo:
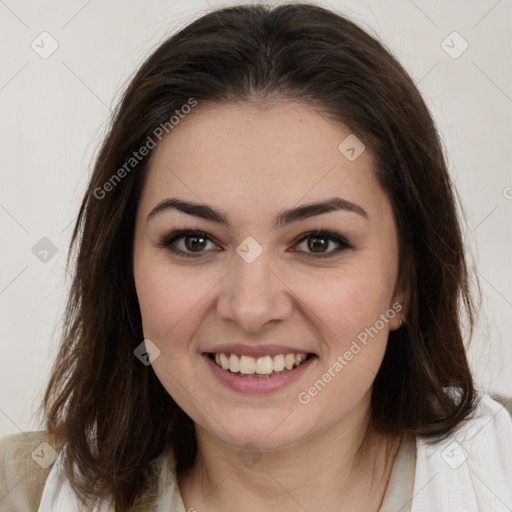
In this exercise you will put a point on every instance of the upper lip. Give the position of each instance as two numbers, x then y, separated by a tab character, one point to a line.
255	350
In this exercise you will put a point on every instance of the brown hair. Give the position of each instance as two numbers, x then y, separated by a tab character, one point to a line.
257	54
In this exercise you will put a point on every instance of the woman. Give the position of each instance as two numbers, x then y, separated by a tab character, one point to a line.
269	276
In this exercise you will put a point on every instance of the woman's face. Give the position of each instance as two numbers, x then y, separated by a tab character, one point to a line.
255	288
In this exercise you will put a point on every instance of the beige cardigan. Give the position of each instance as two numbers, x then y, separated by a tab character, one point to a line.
22	478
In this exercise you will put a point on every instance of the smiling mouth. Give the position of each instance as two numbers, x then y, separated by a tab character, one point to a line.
265	366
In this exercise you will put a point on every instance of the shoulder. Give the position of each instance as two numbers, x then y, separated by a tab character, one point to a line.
25	462
29	466
487	433
472	467
488	437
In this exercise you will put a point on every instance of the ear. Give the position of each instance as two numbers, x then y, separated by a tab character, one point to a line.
400	305
399	319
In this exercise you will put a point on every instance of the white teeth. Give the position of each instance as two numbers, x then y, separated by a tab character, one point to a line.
289	361
234	363
264	365
224	361
278	363
247	364
299	358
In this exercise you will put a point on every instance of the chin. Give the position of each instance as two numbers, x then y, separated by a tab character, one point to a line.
270	431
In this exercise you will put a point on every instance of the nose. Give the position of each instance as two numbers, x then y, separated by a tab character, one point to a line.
253	295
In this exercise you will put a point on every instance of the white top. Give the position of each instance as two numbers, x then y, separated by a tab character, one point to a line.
471	471
400	489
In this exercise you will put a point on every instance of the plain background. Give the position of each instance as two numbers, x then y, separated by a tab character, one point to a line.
55	111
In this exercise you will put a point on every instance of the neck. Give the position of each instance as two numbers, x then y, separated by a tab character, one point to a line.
347	464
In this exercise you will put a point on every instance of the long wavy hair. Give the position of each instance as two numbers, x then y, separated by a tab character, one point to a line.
111	410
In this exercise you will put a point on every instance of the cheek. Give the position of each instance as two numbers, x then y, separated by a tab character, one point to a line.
168	297
171	308
354	339
352	310
346	302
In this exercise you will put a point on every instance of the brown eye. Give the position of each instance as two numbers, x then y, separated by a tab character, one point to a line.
317	244
195	243
188	243
322	244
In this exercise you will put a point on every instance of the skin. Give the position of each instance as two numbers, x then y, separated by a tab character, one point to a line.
252	163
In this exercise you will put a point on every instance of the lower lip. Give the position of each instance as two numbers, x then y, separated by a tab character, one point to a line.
248	384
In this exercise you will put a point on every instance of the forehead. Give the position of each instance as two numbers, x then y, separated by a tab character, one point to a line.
249	157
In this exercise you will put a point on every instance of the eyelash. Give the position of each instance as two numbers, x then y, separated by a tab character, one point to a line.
168	241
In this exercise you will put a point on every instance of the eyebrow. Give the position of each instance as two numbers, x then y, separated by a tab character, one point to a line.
284	218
